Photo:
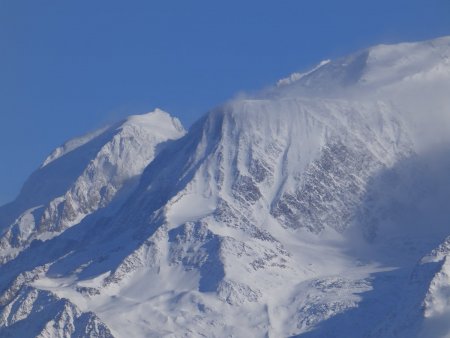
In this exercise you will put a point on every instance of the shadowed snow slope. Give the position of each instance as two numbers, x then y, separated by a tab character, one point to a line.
316	208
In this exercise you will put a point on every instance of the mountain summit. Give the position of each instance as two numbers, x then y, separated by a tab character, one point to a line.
316	208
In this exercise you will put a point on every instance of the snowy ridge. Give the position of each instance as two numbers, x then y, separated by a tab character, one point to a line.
297	76
313	210
71	145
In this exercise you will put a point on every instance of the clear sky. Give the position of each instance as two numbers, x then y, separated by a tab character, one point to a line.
67	67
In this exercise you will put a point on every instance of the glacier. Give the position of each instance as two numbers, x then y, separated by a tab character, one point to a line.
314	208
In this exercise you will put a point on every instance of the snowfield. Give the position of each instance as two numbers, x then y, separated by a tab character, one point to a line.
317	208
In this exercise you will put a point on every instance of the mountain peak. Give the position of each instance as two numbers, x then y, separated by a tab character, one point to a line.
158	120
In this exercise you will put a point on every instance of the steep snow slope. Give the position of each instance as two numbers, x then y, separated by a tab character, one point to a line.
301	211
82	176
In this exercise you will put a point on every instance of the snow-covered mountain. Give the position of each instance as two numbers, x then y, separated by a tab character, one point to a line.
316	208
84	175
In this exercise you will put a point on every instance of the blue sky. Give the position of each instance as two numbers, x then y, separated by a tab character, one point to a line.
67	67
